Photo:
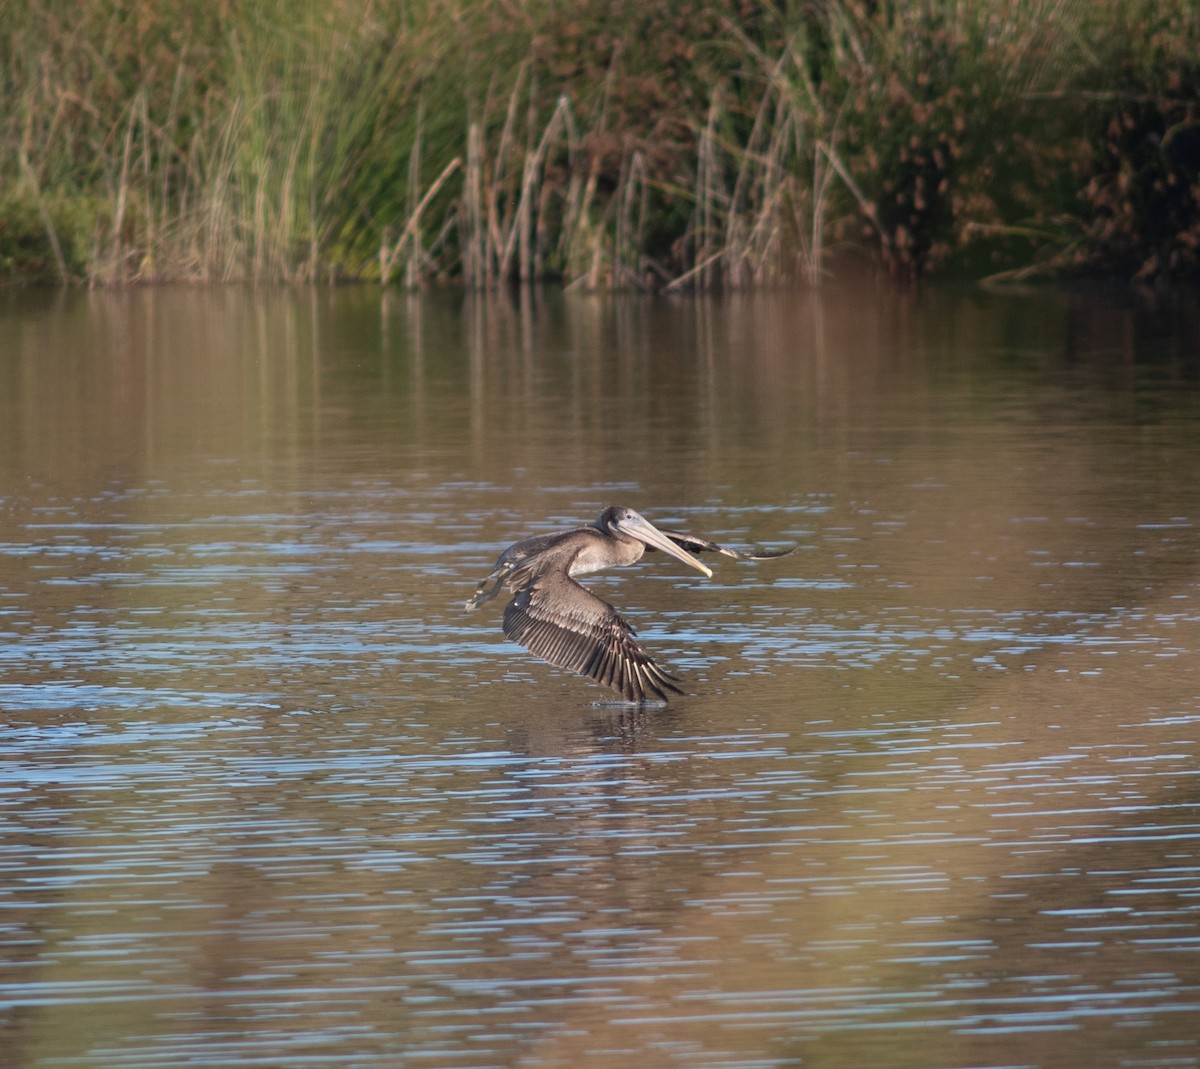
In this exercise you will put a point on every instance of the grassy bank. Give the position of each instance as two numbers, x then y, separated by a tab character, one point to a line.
691	145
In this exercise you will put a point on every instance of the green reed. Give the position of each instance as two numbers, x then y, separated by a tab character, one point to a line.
699	145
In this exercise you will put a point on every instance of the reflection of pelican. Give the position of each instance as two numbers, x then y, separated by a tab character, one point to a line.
558	620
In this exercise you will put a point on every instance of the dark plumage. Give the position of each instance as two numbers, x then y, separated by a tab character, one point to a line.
560	621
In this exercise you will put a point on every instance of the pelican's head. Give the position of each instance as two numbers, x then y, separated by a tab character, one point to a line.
621	521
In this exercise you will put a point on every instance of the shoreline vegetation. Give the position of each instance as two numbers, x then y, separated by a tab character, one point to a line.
697	145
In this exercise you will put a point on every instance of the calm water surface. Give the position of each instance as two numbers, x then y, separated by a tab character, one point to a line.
268	797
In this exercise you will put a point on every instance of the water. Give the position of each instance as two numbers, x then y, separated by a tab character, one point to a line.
269	797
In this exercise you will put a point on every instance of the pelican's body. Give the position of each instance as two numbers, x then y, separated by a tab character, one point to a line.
560	621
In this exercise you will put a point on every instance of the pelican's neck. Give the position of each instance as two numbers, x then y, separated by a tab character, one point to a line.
605	550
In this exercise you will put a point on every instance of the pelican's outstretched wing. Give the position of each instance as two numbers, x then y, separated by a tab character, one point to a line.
559	621
696	544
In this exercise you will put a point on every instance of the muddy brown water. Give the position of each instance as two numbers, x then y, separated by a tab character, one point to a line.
268	797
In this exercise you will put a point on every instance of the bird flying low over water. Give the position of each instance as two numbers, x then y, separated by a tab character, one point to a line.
558	620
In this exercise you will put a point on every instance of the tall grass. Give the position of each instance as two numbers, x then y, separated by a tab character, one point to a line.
699	145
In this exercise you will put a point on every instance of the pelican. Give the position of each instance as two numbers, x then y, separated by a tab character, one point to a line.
558	620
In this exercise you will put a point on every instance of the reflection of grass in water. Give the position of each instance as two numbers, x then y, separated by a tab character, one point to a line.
613	145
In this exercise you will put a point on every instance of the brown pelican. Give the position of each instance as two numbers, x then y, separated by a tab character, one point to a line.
559	621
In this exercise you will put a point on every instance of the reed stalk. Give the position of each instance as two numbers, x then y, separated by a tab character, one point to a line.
472	233
31	179
409	236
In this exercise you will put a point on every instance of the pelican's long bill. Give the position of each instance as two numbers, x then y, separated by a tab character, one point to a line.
644	531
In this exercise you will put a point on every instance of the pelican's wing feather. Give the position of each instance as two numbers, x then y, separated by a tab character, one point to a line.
559	621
